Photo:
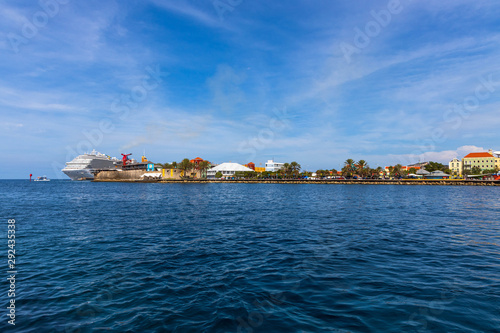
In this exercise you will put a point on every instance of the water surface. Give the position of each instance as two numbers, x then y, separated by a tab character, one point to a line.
120	257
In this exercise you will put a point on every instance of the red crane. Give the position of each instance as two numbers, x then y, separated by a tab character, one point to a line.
125	158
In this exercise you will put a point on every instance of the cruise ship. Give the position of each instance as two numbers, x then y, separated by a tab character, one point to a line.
84	166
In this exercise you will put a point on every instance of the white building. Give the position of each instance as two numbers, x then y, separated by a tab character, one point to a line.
455	165
272	166
227	170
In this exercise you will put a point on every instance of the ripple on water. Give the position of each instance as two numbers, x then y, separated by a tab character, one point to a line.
255	257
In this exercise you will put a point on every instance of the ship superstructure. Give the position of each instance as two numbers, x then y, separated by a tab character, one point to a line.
84	166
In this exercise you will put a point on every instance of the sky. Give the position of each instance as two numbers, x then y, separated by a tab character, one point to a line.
315	82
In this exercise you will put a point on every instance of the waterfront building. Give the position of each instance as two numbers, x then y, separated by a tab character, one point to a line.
482	160
422	173
174	173
272	166
260	169
496	154
227	170
197	161
438	174
455	165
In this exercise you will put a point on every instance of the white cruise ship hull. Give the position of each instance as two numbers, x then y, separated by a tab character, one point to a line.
82	174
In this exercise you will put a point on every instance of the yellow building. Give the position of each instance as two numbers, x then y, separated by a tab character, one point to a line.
259	170
455	166
484	161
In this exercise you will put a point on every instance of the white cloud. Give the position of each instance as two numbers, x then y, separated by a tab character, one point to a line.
437	156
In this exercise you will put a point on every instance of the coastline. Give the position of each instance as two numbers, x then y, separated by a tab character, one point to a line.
428	182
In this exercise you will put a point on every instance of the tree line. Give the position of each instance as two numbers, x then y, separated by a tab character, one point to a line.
292	170
186	165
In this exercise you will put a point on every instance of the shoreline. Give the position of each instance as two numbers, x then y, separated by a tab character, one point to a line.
429	182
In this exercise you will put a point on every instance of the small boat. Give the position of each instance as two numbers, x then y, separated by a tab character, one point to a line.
42	179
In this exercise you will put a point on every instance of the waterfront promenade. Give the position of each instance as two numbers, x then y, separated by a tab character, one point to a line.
445	182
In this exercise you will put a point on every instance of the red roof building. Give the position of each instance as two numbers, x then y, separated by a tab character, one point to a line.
478	155
481	160
196	161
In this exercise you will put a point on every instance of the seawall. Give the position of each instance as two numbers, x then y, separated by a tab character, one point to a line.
429	182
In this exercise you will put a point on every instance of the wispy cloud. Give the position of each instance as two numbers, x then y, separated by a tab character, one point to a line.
226	77
192	12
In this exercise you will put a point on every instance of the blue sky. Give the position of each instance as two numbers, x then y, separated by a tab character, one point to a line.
315	82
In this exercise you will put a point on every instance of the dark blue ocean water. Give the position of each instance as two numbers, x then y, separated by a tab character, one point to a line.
113	257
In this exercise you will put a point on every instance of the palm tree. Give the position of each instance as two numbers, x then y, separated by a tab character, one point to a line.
185	165
203	166
295	168
174	165
397	170
362	166
285	169
167	165
348	168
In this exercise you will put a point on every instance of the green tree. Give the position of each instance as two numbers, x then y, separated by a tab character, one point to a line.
435	166
306	174
322	173
203	167
186	165
349	168
218	174
265	174
285	170
397	170
239	174
362	168
334	172
475	171
295	168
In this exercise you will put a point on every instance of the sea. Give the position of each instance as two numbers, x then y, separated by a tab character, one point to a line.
149	257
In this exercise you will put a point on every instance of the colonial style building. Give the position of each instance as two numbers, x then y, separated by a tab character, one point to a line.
455	166
482	160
